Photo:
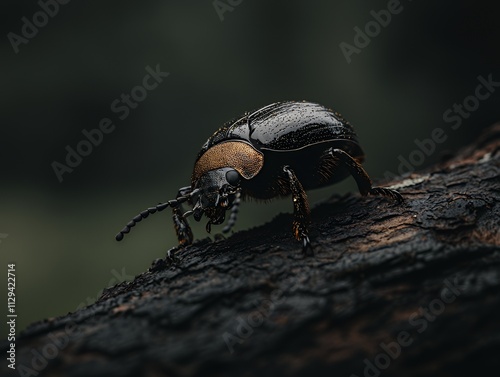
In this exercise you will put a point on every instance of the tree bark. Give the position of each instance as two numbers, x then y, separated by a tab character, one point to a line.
393	289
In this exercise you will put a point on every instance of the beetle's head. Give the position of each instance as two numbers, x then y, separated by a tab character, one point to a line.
217	191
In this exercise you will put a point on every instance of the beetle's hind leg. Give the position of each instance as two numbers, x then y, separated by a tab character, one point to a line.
301	212
360	176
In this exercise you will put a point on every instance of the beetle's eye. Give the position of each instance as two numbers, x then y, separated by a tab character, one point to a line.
232	177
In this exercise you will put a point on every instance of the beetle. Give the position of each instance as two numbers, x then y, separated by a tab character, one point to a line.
279	150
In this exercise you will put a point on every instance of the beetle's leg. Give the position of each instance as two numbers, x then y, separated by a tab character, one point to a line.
181	225
182	228
301	213
171	254
359	174
234	214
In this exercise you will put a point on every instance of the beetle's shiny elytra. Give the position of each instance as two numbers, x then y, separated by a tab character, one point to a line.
279	150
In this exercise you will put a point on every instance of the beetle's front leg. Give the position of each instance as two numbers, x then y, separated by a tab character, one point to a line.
182	228
181	225
183	231
301	213
361	177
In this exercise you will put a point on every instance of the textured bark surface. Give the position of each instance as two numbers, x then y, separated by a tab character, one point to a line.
395	290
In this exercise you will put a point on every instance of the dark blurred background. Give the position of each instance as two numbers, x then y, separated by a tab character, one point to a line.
64	80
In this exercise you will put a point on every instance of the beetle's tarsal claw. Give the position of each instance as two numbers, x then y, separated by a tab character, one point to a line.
171	258
393	194
307	248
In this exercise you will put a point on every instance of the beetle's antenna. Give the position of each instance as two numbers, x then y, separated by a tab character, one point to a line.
160	207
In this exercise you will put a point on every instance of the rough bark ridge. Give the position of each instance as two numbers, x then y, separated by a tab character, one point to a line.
394	290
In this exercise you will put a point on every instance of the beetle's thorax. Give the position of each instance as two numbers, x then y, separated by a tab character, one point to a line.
238	155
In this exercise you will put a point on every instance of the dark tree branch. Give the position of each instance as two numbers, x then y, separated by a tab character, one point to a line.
400	290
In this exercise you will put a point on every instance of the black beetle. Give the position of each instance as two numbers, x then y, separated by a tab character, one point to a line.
281	149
